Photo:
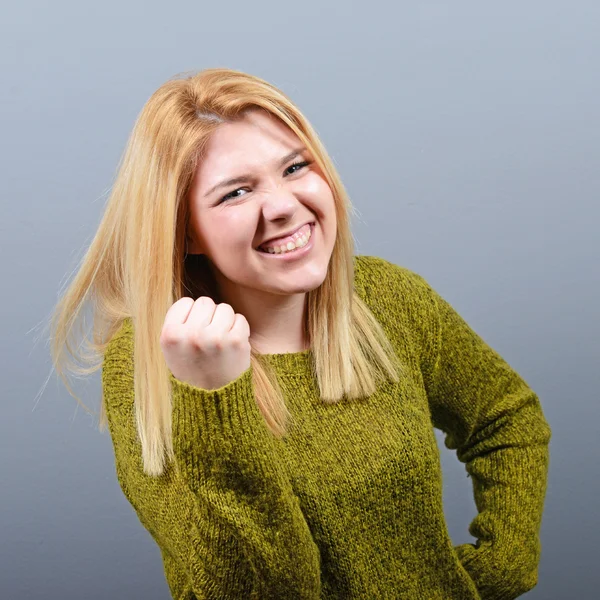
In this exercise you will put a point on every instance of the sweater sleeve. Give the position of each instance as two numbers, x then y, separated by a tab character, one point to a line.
223	513
495	423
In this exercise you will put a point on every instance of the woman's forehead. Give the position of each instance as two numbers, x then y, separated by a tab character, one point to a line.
244	147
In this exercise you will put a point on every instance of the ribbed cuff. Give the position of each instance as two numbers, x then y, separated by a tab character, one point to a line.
492	572
222	411
213	427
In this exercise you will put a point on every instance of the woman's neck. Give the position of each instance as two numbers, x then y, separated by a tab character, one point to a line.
276	321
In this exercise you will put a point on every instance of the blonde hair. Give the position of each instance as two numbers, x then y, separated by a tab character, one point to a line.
136	268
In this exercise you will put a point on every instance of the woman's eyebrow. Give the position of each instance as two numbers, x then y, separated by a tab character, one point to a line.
246	176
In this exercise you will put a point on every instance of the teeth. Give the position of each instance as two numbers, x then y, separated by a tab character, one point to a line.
291	246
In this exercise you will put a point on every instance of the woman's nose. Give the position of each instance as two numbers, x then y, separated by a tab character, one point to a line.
279	202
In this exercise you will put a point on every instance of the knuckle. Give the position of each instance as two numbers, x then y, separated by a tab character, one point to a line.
198	342
168	335
236	342
185	301
206	342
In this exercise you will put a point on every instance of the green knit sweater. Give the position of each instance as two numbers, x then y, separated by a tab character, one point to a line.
349	504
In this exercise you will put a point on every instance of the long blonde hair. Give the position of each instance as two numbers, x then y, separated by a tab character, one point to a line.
136	265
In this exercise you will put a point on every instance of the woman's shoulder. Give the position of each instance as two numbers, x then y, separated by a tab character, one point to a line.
366	264
118	353
400	298
122	336
375	276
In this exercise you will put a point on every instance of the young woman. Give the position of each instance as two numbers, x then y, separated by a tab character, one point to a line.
271	396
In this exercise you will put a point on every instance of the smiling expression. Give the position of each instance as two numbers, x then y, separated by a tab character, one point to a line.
256	182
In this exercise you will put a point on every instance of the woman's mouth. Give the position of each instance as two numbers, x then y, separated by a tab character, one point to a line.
297	245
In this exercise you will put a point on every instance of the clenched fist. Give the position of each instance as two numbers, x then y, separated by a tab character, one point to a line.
205	344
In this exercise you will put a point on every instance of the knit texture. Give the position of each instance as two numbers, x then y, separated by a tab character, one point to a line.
348	505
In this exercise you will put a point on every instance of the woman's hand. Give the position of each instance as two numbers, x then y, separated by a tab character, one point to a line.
205	344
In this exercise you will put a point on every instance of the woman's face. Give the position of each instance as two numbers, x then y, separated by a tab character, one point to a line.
276	193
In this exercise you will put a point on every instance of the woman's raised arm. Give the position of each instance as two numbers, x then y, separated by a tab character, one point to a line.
224	513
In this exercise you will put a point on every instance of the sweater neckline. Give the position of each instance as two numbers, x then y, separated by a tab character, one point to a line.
289	362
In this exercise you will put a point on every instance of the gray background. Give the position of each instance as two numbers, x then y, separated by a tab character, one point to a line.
467	136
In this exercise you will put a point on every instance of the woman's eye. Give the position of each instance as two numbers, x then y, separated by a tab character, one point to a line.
298	164
231	194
